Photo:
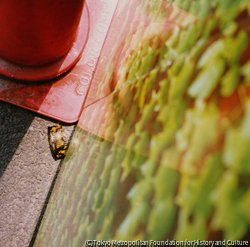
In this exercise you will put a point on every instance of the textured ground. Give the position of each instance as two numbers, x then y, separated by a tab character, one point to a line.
27	170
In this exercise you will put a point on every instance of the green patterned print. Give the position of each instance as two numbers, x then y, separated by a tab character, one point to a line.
171	159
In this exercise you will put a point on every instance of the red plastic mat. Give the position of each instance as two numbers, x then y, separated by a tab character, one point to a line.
63	98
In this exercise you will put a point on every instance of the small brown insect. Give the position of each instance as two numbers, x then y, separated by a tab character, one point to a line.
57	142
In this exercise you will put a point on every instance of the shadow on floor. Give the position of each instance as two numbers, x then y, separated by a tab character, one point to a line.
14	123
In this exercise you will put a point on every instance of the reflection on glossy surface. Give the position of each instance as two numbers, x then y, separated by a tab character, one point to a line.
133	22
166	155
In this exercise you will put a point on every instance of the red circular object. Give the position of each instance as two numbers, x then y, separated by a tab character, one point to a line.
46	42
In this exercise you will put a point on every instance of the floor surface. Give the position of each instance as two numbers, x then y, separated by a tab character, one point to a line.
27	170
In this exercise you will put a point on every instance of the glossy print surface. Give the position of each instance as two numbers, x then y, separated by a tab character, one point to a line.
165	156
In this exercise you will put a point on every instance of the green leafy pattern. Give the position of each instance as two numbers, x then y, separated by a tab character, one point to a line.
170	159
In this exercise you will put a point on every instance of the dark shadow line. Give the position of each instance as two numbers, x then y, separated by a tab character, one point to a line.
39	221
